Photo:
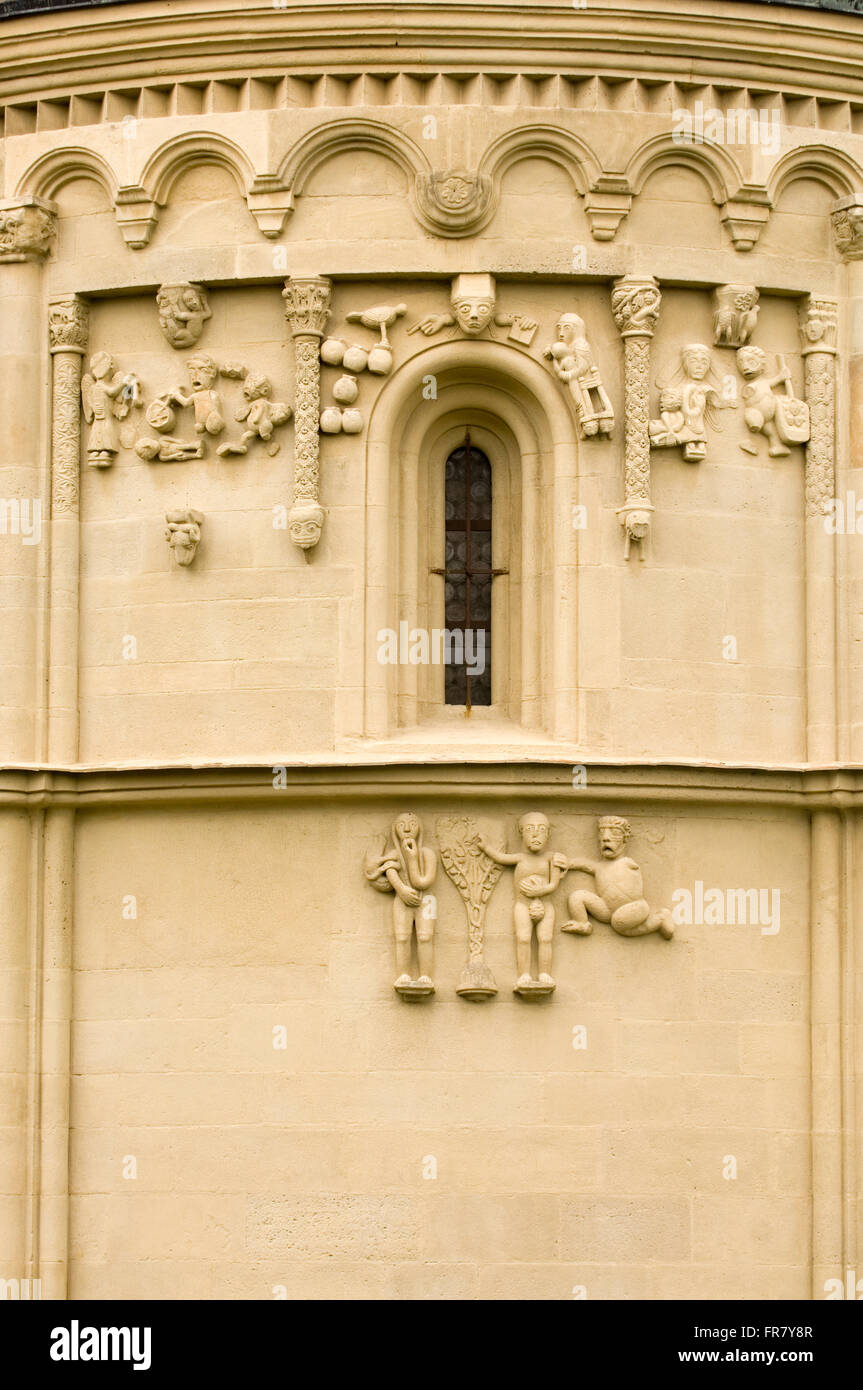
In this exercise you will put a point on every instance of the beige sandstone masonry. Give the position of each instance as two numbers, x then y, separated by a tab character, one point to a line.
323	974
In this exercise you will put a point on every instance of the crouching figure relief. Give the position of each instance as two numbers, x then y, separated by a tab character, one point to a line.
406	868
619	897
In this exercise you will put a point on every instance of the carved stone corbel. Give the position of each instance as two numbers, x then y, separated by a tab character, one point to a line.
606	204
635	305
745	217
27	229
270	203
847	219
818	322
137	214
307	309
454	201
735	314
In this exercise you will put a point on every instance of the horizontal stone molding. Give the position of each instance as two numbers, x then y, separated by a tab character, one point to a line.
648	785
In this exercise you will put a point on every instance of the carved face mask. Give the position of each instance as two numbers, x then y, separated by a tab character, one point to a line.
305	524
473	314
183	535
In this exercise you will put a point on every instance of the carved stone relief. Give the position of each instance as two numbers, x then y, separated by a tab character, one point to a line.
343	417
782	418
183	311
847	220
474	874
107	396
27	229
406	868
261	415
473	299
453	201
735	315
619	896
687	403
183	534
537	874
574	364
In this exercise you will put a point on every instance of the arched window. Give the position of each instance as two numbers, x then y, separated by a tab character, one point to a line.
469	575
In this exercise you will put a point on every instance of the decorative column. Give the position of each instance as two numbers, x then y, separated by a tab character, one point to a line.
818	339
635	304
68	324
307	308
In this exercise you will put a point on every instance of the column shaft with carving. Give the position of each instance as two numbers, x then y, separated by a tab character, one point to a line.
818	346
635	304
307	308
68	323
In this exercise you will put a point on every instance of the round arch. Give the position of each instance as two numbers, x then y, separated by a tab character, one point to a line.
518	404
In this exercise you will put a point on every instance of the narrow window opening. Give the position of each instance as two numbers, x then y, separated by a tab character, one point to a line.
468	575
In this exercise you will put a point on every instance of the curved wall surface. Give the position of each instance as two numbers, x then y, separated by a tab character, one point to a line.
430	463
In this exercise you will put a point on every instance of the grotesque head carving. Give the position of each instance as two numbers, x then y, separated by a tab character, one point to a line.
473	301
305	523
183	311
614	832
183	534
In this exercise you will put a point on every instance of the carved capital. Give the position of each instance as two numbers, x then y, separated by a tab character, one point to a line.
847	219
635	305
307	305
818	323
27	229
68	324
